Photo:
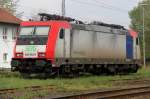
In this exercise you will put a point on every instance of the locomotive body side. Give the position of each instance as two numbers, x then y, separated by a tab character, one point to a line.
91	44
98	42
96	49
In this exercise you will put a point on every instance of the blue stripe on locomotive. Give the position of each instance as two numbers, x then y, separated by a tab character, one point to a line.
129	46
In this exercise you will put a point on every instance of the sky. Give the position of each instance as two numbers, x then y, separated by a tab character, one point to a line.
107	11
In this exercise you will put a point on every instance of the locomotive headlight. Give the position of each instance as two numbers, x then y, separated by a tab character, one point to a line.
41	54
19	54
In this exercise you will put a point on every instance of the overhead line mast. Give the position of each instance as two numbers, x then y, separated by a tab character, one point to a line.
63	8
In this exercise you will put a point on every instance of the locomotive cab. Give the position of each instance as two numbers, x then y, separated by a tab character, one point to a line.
30	47
32	41
35	45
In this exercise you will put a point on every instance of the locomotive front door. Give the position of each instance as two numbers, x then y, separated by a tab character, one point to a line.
63	44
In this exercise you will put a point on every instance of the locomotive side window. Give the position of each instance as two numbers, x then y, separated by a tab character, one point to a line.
62	32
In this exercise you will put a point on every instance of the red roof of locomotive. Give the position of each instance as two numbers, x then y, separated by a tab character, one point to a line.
45	23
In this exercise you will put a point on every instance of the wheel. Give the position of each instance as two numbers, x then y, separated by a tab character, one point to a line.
111	70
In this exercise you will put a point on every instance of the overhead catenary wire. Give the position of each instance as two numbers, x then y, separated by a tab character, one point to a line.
105	7
101	6
111	6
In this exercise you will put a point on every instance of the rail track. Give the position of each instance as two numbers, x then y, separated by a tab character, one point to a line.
31	88
102	94
110	94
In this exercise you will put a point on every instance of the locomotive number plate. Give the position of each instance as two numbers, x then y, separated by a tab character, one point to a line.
30	51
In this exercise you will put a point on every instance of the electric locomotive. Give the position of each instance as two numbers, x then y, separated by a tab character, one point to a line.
57	45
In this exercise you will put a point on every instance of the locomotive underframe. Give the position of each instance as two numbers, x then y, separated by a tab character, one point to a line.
31	65
75	66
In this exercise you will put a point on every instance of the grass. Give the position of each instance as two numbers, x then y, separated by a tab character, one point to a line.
14	80
81	83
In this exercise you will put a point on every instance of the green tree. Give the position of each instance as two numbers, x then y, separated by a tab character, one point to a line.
10	5
136	16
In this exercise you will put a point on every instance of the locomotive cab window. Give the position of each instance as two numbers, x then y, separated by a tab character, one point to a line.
27	30
42	30
62	33
38	30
